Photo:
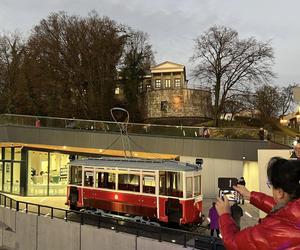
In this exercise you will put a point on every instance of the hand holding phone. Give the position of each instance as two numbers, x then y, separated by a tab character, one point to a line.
242	190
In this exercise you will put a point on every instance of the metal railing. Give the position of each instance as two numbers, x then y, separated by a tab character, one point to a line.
140	128
176	236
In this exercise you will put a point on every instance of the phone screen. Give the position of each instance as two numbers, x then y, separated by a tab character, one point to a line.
231	195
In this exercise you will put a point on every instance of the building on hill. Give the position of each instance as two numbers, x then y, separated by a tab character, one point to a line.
291	120
165	97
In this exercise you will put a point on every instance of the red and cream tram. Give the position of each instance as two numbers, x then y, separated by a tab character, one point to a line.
165	191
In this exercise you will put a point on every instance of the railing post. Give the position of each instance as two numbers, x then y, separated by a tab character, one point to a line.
4	201
99	222
184	240
39	210
81	219
51	212
17	206
66	217
10	203
117	223
26	207
160	236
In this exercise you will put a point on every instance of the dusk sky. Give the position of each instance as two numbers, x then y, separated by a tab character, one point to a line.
174	24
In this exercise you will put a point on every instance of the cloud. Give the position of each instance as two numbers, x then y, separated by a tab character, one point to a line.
172	25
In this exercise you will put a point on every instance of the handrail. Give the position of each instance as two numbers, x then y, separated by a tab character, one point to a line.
113	224
140	128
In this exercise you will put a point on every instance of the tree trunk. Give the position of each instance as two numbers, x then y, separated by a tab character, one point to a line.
217	98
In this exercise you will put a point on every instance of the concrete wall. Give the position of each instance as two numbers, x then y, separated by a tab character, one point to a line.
107	239
197	147
179	103
26	231
149	244
58	234
8	217
34	232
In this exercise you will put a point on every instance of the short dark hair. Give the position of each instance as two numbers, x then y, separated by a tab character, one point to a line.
285	174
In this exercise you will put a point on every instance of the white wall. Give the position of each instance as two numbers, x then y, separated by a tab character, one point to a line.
251	175
264	156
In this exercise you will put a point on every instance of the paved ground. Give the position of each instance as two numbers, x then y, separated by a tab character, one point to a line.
246	220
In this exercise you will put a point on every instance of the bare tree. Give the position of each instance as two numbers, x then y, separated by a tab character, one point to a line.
223	61
236	103
286	103
267	101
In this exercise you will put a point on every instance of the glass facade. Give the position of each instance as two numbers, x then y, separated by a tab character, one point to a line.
10	167
31	172
37	173
47	173
58	173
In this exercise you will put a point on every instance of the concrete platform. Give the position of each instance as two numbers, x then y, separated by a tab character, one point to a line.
59	202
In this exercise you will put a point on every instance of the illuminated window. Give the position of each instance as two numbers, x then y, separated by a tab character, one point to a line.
168	83
197	181
76	175
129	182
117	91
189	187
177	82
149	184
37	173
170	184
105	180
157	83
88	178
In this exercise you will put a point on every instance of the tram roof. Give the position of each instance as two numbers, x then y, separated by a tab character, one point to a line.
137	163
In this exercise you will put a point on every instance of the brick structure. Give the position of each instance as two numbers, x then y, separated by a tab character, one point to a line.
166	98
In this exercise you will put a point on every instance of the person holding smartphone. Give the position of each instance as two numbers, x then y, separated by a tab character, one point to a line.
280	229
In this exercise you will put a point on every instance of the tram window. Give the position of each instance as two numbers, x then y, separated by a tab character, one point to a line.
162	183
75	175
149	184
197	181
170	184
189	187
105	180
129	182
88	179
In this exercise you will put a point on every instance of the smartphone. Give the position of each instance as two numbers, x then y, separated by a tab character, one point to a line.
231	195
227	183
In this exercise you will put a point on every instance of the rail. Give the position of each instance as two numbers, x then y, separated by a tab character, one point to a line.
181	237
140	128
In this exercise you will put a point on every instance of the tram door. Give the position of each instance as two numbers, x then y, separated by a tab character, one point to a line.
174	210
171	186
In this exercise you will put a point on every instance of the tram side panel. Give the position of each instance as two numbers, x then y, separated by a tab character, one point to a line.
120	202
192	211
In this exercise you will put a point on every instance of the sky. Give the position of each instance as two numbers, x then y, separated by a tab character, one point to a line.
173	25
